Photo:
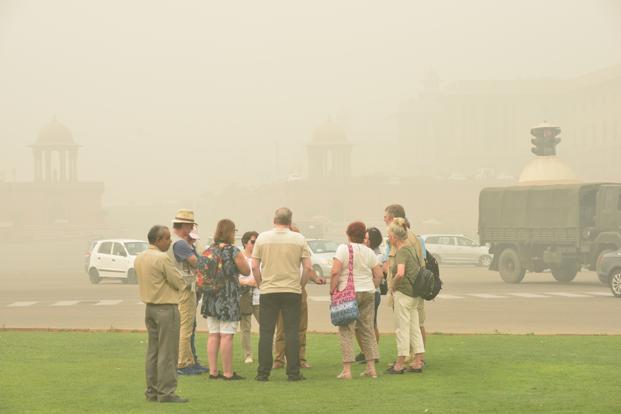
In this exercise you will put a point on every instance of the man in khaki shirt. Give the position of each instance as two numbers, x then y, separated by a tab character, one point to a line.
159	284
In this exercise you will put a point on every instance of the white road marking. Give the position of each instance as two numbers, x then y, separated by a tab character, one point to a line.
529	295
320	298
66	303
600	293
445	296
487	296
21	304
567	295
108	302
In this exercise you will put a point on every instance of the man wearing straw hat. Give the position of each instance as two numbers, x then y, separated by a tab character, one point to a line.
184	257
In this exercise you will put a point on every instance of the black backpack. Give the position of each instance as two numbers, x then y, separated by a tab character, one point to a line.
428	284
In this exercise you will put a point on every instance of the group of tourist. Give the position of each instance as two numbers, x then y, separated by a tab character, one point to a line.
266	279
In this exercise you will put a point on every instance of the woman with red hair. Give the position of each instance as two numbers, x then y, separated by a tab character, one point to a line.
367	274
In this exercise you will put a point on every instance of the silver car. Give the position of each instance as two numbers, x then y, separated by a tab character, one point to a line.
322	255
456	248
609	270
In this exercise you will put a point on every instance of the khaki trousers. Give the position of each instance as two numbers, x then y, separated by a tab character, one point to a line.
279	339
162	322
407	325
365	327
187	316
245	326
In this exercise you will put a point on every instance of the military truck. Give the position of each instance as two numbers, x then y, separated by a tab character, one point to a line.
558	227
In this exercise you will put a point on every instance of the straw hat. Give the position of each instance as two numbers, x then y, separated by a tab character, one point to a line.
184	216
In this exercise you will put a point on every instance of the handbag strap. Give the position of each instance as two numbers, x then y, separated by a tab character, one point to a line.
350	276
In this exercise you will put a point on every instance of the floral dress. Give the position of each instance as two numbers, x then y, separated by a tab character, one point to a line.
218	269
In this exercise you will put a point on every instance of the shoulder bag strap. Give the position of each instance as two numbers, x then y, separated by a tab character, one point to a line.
350	276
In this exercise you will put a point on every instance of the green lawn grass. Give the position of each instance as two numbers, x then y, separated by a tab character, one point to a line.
81	372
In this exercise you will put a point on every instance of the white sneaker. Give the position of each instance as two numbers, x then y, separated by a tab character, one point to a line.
248	360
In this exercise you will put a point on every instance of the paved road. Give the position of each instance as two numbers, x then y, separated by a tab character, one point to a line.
474	300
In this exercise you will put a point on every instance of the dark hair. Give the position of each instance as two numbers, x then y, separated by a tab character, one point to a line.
375	237
395	210
225	232
156	233
356	231
247	236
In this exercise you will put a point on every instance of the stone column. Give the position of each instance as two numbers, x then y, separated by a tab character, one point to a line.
37	163
73	165
48	166
62	158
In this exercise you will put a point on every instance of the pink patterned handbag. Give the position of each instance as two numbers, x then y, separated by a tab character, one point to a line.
343	303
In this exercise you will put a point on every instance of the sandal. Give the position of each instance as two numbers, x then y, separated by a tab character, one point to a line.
369	374
418	370
343	376
392	370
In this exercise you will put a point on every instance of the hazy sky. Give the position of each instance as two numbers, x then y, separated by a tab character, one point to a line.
159	92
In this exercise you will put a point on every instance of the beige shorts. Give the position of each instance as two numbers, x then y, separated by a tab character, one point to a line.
216	326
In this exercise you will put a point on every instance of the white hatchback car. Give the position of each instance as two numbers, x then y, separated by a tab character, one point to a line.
114	259
455	248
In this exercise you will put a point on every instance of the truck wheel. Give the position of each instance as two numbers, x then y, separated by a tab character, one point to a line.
565	273
615	282
605	280
510	267
93	276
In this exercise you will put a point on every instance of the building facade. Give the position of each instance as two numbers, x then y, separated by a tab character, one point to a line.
56	204
466	126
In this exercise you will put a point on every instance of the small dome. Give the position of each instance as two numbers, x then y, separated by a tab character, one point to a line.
329	133
55	133
547	170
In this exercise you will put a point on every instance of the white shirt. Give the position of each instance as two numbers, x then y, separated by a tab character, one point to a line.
255	290
365	260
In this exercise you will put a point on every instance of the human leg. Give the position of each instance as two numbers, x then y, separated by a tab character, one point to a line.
151	355
291	321
269	310
168	350
187	314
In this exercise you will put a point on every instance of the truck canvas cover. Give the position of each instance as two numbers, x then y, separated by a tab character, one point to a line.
535	213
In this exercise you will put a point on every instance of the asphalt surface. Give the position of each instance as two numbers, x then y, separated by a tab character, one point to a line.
474	300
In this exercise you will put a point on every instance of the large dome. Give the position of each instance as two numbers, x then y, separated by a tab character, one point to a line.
547	170
329	133
55	133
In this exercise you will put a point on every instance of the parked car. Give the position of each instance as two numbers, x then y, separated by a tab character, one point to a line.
114	259
322	255
609	268
456	248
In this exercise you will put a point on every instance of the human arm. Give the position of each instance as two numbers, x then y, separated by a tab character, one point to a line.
185	253
247	280
256	270
335	274
378	275
398	276
316	278
307	270
242	264
172	275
